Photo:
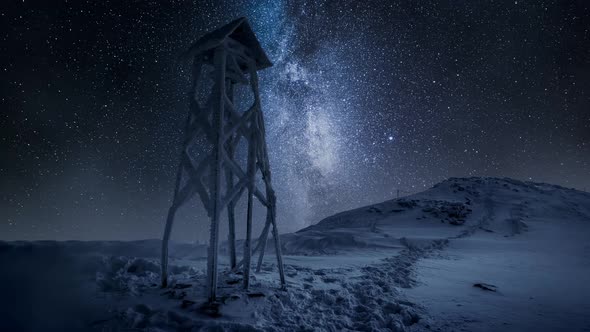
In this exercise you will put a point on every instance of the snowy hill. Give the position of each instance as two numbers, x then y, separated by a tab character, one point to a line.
451	208
473	254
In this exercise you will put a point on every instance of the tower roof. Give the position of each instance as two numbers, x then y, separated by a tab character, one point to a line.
238	30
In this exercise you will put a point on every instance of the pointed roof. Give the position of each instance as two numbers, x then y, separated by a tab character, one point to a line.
238	30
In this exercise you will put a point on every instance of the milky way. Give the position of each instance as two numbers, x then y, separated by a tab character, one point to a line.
366	99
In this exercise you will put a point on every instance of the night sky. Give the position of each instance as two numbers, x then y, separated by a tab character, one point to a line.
364	98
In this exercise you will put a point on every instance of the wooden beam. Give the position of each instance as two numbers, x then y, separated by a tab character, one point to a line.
218	124
239	123
235	192
231	219
240	173
262	241
251	176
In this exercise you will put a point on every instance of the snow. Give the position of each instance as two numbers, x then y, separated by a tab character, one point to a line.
402	265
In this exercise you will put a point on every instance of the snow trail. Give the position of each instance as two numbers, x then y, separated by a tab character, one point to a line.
372	301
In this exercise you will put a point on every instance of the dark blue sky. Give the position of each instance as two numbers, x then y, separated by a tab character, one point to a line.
364	98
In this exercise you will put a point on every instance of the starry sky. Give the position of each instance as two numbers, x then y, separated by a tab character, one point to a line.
365	98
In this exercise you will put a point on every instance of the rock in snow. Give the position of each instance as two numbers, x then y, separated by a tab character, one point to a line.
486	287
401	265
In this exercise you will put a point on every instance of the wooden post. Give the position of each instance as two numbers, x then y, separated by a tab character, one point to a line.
165	240
270	195
231	236
251	173
263	239
278	251
177	200
218	121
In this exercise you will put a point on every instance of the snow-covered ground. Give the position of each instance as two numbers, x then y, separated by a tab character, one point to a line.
476	254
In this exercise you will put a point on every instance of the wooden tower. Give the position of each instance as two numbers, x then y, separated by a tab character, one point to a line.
230	55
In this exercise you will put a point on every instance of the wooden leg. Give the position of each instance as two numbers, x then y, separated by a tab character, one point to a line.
278	251
262	241
218	124
167	231
251	173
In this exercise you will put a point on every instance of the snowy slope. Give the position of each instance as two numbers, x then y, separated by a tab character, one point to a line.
459	203
402	265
